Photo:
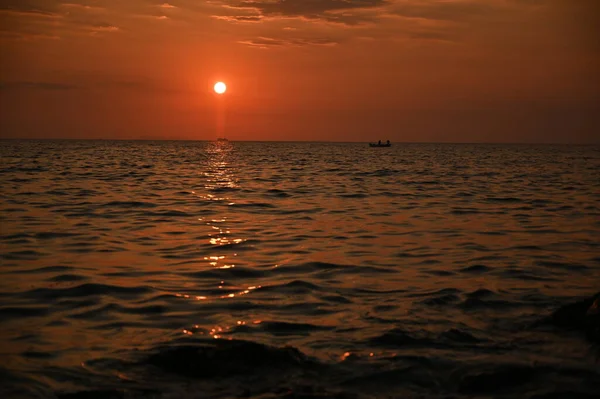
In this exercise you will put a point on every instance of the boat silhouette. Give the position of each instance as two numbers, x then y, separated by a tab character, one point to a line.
380	144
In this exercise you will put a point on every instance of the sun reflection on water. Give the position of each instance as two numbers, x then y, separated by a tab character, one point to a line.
230	295
225	241
219	175
219	181
218	331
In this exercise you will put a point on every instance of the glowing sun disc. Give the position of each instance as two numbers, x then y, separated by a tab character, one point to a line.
220	87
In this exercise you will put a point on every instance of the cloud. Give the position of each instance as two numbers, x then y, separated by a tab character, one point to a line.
358	12
52	19
35	7
84	7
436	21
239	18
387	20
269	42
395	20
348	12
102	28
448	10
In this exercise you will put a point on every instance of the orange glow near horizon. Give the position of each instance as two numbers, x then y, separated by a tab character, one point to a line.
451	71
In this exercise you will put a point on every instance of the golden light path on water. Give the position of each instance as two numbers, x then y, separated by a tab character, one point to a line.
220	176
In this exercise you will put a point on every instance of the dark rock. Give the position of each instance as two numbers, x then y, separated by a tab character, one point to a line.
583	315
109	394
101	394
222	358
397	337
498	380
565	394
457	335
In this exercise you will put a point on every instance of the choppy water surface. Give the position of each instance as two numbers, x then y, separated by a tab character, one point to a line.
194	269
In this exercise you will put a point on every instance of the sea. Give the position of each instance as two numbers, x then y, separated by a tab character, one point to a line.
196	269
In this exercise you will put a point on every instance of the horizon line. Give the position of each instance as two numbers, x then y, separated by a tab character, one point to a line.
301	141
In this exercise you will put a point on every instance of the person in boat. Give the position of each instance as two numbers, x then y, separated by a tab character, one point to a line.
388	142
379	142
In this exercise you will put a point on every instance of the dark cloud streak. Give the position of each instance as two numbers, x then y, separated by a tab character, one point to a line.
444	11
268	42
86	83
45	86
30	6
339	11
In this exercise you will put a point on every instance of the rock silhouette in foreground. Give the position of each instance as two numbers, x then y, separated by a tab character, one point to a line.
582	316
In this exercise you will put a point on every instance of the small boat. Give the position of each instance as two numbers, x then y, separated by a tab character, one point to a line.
222	139
388	144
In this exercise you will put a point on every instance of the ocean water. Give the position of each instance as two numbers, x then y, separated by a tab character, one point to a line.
295	270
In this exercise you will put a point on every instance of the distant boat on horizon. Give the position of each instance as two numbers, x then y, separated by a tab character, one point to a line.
222	139
380	144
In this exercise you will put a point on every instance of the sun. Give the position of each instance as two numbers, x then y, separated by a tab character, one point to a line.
220	87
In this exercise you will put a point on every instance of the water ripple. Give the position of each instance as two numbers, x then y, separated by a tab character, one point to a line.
298	270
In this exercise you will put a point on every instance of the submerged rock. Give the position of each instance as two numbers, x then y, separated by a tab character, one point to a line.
582	316
110	394
399	337
93	394
223	358
565	394
498	380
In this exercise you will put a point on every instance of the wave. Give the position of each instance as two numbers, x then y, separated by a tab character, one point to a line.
422	271
88	289
240	367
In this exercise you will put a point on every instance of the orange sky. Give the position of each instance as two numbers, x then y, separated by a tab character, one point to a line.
340	70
